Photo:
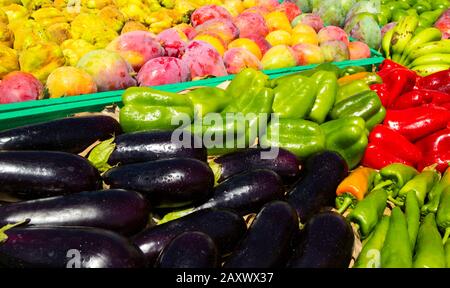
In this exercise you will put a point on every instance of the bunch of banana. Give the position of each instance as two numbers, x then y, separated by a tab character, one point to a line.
424	52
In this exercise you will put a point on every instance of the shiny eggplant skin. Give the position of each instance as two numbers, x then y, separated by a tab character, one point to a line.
125	212
38	174
149	146
225	228
267	243
326	242
285	164
247	192
317	189
171	182
72	135
61	247
190	250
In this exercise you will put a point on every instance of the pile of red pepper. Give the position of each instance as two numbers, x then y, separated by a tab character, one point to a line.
416	130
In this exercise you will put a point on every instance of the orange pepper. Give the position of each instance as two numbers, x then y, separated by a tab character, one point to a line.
350	78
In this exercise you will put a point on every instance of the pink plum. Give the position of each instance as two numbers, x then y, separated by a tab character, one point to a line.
263	11
19	87
203	60
270	5
332	33
308	54
358	50
309	19
262	43
237	59
173	41
334	51
108	69
188	30
136	47
223	28
163	70
290	9
251	23
209	12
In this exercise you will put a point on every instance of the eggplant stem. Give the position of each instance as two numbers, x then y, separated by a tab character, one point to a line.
347	202
446	235
217	171
3	236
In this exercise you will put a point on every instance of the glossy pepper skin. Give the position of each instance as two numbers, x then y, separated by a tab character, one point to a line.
388	65
351	89
420	184
412	214
430	250
353	188
350	70
417	122
435	194
368	212
326	94
294	98
369	255
368	77
301	137
397	174
439	81
382	92
396	251
208	100
398	81
436	149
416	98
346	136
443	214
329	67
249	81
377	157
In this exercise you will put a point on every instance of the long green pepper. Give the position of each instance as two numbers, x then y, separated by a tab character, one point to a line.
412	214
430	250
326	94
398	175
443	214
435	194
420	184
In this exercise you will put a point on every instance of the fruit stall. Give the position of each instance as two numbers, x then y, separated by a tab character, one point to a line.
225	134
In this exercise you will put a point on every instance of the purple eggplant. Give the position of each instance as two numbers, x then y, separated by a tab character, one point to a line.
72	135
71	247
285	164
166	183
190	250
247	192
39	174
125	212
326	242
225	228
149	146
317	189
268	241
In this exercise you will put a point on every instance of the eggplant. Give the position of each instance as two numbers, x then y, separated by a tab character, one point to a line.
190	250
72	135
284	164
225	228
39	174
166	183
267	243
317	189
247	192
125	212
149	146
71	247
326	242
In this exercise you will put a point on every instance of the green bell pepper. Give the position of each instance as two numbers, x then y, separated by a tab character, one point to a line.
440	4
294	98
435	194
420	184
422	6
350	70
412	214
301	137
432	16
326	94
398	13
443	214
346	136
146	108
329	67
247	82
369	211
397	175
430	250
396	252
447	253
385	14
351	89
208	100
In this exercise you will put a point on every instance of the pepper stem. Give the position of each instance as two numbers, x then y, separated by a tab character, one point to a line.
3	236
396	202
446	235
347	202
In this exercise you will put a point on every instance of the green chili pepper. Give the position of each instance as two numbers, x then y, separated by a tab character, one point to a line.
326	94
412	214
420	184
435	194
368	212
443	214
351	89
294	98
247	82
146	108
350	70
447	253
301	137
398	175
346	136
369	257
430	250
329	67
376	119
396	252
207	100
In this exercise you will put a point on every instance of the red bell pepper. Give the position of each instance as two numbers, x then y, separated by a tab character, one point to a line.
389	65
398	81
395	143
436	149
377	157
417	98
382	91
417	122
439	81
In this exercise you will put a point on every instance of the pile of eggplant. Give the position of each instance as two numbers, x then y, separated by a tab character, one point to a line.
65	210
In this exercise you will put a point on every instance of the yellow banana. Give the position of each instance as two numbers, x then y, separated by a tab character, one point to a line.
386	43
403	32
425	70
425	36
434	47
431	59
